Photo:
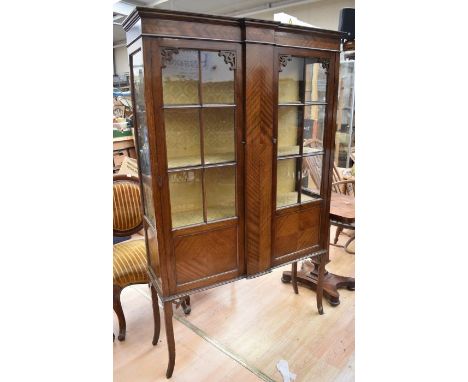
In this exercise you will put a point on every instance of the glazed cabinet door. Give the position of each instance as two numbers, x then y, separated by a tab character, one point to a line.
202	162
303	118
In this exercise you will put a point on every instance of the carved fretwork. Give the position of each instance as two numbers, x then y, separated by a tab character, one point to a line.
166	55
283	61
229	58
325	64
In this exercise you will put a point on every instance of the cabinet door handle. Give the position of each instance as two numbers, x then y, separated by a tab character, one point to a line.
274	141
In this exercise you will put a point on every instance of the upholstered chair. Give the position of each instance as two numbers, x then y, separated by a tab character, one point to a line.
129	260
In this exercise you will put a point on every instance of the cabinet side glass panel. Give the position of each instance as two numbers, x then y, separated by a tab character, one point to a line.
153	255
142	127
180	78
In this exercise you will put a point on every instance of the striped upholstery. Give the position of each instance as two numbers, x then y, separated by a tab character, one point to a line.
130	263
127	206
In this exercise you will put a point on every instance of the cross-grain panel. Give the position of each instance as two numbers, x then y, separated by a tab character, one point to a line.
296	231
205	254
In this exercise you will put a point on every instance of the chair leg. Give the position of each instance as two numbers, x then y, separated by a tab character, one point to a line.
338	231
156	318
351	239
321	277
294	277
119	312
185	303
169	337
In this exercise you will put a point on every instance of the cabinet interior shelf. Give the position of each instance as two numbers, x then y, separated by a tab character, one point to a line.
207	105
311	103
285	152
194	162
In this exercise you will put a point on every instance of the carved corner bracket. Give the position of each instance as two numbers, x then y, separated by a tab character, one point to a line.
166	55
283	61
325	64
229	58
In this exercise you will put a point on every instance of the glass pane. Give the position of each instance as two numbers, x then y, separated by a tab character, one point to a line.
286	182
185	189
180	78
314	122
219	135
217	79
345	118
143	143
289	126
311	177
316	82
182	137
148	199
291	81
220	185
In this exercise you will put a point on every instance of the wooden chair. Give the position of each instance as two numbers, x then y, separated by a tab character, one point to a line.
346	187
339	185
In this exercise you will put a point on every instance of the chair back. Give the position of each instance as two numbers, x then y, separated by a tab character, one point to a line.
314	164
128	217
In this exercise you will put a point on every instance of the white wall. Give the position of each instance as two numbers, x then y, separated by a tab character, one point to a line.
121	60
323	14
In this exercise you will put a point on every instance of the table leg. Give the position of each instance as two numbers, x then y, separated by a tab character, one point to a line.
308	277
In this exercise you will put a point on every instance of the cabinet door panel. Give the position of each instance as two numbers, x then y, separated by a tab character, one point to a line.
303	112
202	256
296	231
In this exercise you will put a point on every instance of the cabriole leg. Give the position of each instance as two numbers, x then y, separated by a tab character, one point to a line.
119	312
156	318
169	337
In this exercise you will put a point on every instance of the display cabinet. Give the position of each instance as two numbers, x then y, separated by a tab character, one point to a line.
234	127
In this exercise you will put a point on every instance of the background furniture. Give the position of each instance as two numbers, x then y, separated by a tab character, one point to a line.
342	214
344	219
123	147
129	257
222	108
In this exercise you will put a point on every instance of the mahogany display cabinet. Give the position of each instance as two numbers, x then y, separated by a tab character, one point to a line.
235	123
